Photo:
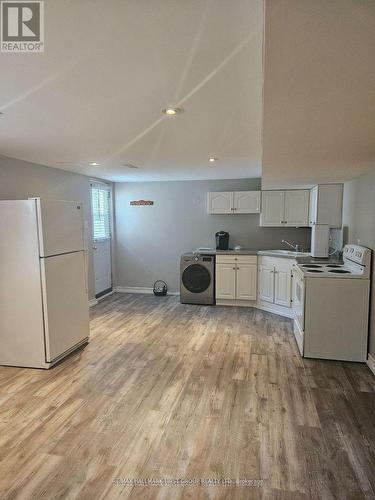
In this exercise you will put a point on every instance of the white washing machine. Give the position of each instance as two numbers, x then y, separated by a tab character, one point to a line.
197	279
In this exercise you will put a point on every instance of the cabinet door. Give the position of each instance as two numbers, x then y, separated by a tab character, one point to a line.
272	208
313	206
225	281
283	287
266	283
329	204
296	208
246	282
246	202
220	203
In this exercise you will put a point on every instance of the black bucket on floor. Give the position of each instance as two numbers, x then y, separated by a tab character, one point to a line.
160	288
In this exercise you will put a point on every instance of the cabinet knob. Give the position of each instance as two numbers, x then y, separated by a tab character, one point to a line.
234	269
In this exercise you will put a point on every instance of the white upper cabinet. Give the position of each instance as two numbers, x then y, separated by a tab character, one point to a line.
234	202
326	205
246	202
272	208
220	203
285	208
296	210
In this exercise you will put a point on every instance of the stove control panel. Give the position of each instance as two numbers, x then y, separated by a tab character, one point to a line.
358	254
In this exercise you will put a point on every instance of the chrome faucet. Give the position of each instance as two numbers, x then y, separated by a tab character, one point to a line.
295	246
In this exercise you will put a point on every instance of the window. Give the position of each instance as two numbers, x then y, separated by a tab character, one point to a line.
101	211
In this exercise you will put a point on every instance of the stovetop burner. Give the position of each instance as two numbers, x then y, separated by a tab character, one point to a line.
311	266
314	270
340	271
334	265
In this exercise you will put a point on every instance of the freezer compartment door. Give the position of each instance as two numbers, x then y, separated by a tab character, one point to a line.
61	227
21	311
65	300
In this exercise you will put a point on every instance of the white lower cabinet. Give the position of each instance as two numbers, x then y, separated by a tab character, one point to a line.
225	281
283	287
246	282
275	284
236	279
266	282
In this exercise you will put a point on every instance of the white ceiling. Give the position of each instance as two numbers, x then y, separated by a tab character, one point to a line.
319	91
111	66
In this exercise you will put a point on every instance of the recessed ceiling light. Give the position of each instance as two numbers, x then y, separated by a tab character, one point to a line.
94	164
212	159
130	165
172	111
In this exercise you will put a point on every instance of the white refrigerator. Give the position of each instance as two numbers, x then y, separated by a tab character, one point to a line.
43	287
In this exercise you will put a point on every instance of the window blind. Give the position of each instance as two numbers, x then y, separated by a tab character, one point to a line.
101	211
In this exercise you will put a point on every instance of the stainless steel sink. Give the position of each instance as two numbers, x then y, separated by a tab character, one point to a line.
290	253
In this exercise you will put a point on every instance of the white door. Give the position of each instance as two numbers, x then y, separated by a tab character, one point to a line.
65	302
102	266
225	281
246	282
101	244
60	225
283	287
313	206
296	212
220	203
272	208
266	283
246	202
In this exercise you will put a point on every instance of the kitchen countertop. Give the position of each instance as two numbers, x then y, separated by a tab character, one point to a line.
333	259
300	260
243	251
270	253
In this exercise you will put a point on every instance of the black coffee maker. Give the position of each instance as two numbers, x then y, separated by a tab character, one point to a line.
222	240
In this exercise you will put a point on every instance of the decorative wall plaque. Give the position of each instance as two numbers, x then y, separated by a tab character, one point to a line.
141	202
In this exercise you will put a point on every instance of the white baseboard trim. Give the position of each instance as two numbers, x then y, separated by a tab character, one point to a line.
236	303
105	296
93	302
138	289
273	308
371	363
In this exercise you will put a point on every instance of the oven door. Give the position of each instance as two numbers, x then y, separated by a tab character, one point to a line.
299	306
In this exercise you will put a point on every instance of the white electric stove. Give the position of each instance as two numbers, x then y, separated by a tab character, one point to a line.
330	304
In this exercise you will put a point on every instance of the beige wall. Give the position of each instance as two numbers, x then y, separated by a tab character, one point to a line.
359	227
21	180
319	99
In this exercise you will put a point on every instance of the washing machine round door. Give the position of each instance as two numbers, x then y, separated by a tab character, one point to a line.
196	278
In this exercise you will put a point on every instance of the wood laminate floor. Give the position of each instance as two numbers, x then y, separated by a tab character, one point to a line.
166	390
